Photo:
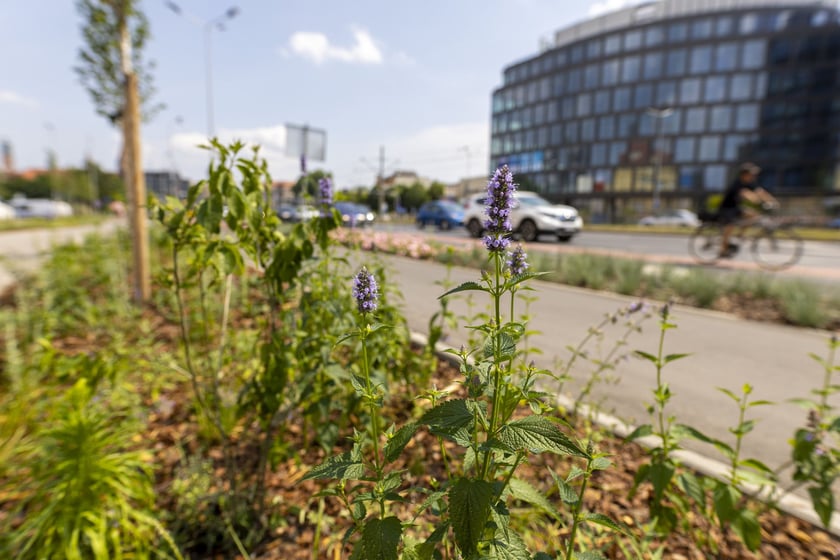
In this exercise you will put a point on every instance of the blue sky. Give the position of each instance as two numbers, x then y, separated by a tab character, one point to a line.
414	77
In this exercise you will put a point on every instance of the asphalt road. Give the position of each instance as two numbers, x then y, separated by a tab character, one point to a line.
820	260
724	352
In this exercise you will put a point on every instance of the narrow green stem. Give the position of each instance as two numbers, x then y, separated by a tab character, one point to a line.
497	370
826	389
374	414
742	404
660	401
578	507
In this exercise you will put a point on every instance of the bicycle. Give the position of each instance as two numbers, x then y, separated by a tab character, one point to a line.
773	243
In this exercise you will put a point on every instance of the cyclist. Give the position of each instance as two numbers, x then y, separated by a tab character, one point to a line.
732	209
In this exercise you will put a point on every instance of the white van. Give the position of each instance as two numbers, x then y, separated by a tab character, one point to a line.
7	212
39	207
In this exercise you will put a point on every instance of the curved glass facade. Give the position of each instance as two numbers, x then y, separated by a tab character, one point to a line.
671	105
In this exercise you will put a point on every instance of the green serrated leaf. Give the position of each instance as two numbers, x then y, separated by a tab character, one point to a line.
524	491
748	529
469	508
380	538
341	467
604	521
566	492
395	445
639	432
448	417
588	555
725	499
538	434
693	433
692	487
512	547
601	463
465	287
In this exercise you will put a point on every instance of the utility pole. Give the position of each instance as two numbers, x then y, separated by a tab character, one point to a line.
380	186
135	182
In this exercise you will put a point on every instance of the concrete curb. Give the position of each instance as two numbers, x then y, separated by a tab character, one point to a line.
786	502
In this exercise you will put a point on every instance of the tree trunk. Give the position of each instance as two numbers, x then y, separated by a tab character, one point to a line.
136	191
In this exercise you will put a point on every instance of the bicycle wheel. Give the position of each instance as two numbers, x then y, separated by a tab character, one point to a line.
704	243
775	249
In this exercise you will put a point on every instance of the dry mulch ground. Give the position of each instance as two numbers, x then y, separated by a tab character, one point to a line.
784	537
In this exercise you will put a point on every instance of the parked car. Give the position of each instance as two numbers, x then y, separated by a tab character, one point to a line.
355	215
293	213
835	223
7	212
530	216
39	207
681	217
443	214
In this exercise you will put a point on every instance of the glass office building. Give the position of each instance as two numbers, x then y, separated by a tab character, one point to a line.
659	103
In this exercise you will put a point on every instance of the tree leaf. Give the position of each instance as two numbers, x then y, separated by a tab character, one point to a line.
397	442
469	507
380	538
342	467
538	433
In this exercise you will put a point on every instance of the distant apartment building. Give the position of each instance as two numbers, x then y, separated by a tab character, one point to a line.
166	183
661	101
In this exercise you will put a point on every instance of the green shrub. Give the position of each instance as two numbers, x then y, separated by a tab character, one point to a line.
802	304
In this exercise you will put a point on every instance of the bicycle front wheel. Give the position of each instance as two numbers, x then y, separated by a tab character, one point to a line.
777	249
704	244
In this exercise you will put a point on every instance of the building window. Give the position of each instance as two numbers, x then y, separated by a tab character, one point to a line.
568	108
590	76
695	119
676	62
632	40
517	142
726	57
677	32
542	137
746	117
527	117
545	89
654	36
781	50
666	93
609	73
584	102
598	156
714	177
556	134
551	111
587	130
530	139
732	147
720	118
617	149
690	91
643	96
496	147
701	60
508	147
671	124
701	29
602	102
612	44
740	87
571	129
498	103
752	54
723	26
749	23
577	54
627	126
709	148
606	128
653	66
593	48
539	113
621	99
684	150
560	58
531	92
715	89
630	69
558	85
515	120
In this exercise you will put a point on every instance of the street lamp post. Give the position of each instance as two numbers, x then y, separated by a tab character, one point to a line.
659	114
207	25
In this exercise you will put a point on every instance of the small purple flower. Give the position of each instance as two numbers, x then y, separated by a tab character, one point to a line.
325	191
365	291
500	191
635	307
517	262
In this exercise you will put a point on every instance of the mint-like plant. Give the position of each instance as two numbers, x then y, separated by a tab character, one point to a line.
815	446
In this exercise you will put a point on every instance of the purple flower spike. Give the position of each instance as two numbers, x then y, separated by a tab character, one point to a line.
325	191
365	291
517	262
500	191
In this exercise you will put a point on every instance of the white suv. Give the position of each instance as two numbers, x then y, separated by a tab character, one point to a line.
530	216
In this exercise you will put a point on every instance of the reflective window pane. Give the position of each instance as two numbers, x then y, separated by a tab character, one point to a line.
740	87
709	148
701	60
726	57
587	130
591	76
598	156
715	89
676	62
606	128
714	177
677	32
749	23
626	126
684	150
593	48
621	99
690	91
602	102
609	73
733	147
632	40
643	96
701	29
612	44
654	36
666	93
746	117
617	149
557	134
630	69
653	66
720	118
723	26
584	102
573	81
752	54
571	132
695	119
558	84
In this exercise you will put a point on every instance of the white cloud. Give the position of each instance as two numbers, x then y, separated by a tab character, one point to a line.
317	48
7	96
605	6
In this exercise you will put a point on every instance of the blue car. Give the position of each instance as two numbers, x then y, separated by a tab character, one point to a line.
441	213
